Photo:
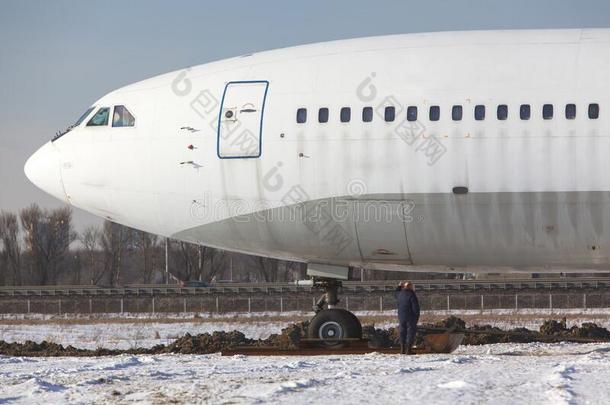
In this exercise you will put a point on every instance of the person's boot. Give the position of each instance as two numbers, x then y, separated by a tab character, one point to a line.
403	349
409	348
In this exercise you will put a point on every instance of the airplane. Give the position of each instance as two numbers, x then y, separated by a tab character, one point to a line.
446	152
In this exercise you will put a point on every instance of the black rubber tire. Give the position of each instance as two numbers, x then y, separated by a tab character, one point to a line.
348	323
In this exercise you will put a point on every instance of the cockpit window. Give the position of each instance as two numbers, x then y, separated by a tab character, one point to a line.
82	117
59	134
122	117
100	118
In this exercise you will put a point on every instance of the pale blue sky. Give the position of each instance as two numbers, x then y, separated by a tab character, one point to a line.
57	57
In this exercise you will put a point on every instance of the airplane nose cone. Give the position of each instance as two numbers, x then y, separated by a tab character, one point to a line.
42	168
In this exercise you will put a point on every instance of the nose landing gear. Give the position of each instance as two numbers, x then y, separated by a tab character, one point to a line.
332	324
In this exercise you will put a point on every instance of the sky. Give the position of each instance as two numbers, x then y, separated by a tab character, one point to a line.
58	57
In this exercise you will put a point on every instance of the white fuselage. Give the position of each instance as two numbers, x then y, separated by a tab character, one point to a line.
217	157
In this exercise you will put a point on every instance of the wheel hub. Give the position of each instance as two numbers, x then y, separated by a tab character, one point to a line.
331	330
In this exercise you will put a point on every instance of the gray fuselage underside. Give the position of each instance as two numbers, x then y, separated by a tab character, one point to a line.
525	231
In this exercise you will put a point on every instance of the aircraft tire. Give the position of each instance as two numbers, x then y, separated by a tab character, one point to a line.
334	323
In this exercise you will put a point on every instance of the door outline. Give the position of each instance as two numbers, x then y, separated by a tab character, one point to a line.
260	130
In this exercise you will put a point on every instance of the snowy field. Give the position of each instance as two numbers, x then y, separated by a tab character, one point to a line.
129	335
498	374
127	332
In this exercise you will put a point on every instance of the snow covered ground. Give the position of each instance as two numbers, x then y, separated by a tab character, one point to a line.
498	374
128	332
129	335
502	373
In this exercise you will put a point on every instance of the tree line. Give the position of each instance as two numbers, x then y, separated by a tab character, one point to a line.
41	247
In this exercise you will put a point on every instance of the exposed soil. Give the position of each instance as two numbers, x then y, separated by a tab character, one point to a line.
551	330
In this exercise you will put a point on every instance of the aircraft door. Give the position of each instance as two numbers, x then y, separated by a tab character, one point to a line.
240	124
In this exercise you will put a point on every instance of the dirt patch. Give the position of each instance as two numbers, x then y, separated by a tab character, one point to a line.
204	343
586	330
551	330
289	337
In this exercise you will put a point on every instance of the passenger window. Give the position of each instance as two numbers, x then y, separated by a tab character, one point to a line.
502	112
525	112
479	112
547	111
323	115
100	118
389	114
122	117
302	115
456	113
367	114
593	111
412	113
435	113
346	114
571	111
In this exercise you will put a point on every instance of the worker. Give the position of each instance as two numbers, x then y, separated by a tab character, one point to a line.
408	315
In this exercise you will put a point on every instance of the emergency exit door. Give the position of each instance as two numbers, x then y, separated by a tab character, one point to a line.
240	124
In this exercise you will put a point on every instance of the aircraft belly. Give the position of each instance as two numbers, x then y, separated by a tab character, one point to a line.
510	229
381	229
519	230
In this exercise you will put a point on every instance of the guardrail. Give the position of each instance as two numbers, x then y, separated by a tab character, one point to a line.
268	288
580	301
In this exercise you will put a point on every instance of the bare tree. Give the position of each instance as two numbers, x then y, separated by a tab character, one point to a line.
146	245
75	267
11	253
3	266
294	271
185	262
214	267
267	268
116	240
48	236
3	259
31	221
194	262
91	241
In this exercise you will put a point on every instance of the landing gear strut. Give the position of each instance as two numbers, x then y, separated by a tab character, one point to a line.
330	298
332	323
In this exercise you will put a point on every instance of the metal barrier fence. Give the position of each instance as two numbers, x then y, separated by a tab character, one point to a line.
524	284
297	302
